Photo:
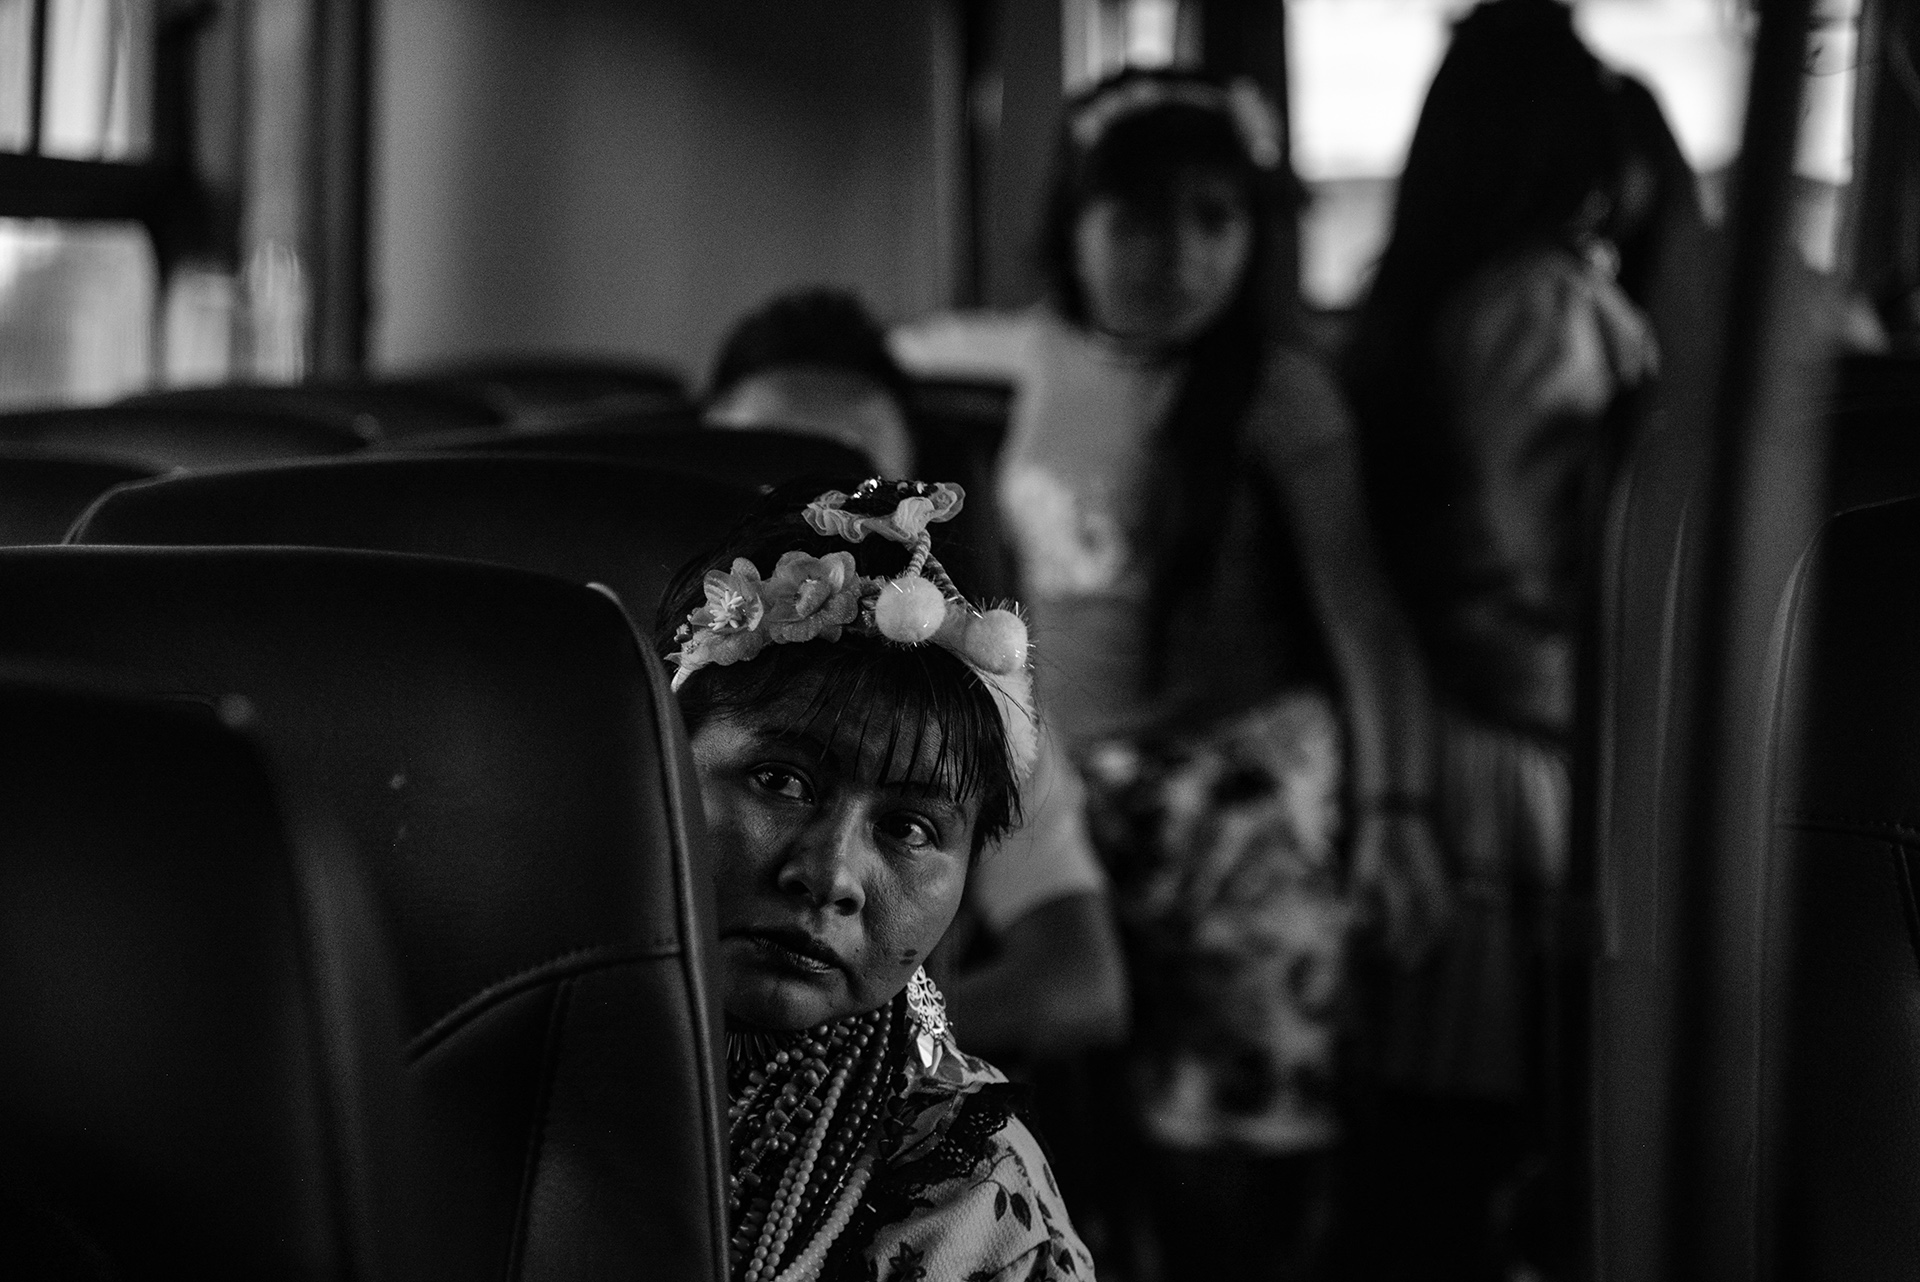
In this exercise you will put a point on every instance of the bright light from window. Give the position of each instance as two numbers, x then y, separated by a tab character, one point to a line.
1100	37
1358	72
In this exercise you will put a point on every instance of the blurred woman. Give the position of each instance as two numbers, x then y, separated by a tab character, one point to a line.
1181	487
1491	366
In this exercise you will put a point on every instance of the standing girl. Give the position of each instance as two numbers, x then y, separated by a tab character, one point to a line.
1216	648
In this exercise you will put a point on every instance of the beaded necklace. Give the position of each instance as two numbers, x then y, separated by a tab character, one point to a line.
810	1115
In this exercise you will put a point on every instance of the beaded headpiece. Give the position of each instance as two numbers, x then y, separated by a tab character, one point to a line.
809	598
1241	102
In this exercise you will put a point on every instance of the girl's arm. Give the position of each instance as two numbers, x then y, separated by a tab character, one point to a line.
1304	437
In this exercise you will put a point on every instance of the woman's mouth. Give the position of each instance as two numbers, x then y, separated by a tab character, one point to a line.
794	950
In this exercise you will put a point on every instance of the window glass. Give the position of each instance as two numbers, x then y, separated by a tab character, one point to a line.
95	104
76	311
16	74
1358	72
1100	37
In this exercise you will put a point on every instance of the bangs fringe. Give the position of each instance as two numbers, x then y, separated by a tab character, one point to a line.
873	694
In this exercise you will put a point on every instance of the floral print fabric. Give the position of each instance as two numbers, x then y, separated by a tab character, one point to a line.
1222	849
967	1195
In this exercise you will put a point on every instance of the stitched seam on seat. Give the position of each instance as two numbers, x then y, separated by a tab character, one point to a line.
1904	874
664	707
1885	830
536	1142
564	966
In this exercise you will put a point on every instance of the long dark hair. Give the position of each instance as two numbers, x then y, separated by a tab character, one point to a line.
1525	138
1136	159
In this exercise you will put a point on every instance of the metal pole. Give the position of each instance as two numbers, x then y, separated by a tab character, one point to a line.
1760	506
37	80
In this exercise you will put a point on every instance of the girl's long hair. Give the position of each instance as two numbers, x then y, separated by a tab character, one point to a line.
1137	159
1525	138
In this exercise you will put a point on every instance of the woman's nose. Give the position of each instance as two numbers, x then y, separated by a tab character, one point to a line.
825	864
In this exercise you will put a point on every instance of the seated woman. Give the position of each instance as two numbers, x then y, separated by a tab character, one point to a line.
861	734
815	361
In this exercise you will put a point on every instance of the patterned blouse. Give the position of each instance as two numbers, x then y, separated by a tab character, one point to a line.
967	1196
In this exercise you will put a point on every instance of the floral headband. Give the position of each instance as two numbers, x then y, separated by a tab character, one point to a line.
810	598
1241	102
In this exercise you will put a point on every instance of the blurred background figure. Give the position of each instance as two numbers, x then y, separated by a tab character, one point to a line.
1175	462
814	360
1492	367
1032	970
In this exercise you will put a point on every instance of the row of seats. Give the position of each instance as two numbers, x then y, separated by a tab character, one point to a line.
54	461
1843	1148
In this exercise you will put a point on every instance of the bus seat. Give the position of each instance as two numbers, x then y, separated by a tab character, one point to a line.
1847	865
589	520
512	771
168	436
41	495
1874	421
1640	688
200	1075
374	409
959	426
761	459
534	389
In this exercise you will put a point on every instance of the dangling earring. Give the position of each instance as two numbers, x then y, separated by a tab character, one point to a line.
928	1011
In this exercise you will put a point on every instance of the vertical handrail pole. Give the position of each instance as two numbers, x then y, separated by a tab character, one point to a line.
37	75
1760	506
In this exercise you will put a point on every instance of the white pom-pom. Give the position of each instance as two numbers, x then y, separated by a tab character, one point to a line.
997	642
909	610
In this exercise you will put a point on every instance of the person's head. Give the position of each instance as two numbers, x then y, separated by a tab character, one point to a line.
850	776
815	361
1524	138
1158	222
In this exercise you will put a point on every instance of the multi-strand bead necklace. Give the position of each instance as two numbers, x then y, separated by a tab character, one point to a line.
810	1115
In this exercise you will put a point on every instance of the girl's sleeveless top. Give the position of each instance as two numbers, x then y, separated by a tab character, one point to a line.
1078	476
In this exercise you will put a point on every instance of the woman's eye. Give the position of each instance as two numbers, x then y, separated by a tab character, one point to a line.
915	834
782	782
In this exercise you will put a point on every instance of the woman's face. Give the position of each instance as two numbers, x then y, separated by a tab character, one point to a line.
1156	277
833	884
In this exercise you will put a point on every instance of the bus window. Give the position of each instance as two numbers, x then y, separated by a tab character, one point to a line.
76	309
97	79
1358	71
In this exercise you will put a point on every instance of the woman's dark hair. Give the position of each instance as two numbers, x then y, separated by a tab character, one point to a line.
819	326
1137	159
901	693
1524	138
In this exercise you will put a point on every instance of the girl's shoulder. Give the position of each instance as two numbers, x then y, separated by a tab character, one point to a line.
974	344
1542	317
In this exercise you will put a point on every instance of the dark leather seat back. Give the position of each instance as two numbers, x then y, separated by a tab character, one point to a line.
41	495
200	1070
1846	865
761	459
509	765
1874	418
375	409
167	436
589	520
537	388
